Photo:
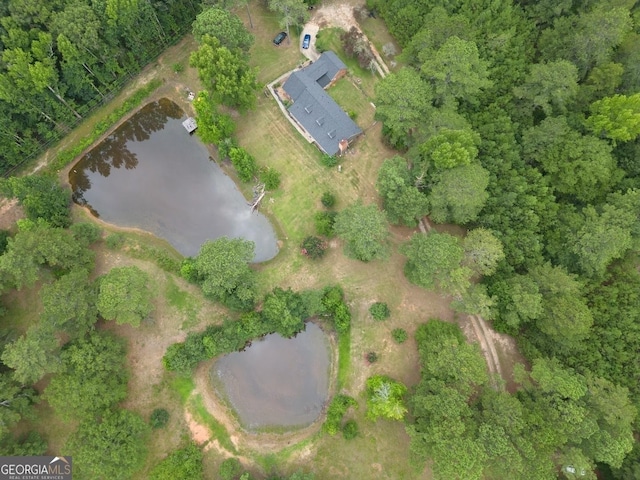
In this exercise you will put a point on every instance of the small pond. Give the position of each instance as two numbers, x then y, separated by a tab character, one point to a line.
151	174
277	382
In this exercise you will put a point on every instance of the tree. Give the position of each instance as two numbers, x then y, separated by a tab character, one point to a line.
69	304
32	356
550	86
225	73
124	295
225	26
456	71
293	12
42	197
616	117
364	230
434	260
451	148
385	398
284	311
403	202
566	316
403	102
226	277
587	39
92	378
15	402
183	463
458	194
577	165
482	251
213	126
519	302
603	238
113	448
244	162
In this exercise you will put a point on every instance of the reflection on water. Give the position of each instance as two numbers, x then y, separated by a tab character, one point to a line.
152	175
277	381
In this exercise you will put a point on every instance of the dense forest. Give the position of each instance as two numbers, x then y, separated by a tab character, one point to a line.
59	59
519	121
522	119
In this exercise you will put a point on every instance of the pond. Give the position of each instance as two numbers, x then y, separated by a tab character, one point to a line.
151	174
277	382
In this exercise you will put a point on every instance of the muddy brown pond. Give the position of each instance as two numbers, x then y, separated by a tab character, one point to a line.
151	174
276	382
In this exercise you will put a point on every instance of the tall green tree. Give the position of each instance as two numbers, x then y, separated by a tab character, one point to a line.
292	13
616	117
402	201
550	86
223	25
69	304
482	251
113	448
385	398
456	71
403	102
92	378
223	267
124	295
32	356
15	402
435	260
458	194
364	231
225	73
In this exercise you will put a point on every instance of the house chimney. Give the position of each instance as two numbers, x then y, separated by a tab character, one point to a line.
343	145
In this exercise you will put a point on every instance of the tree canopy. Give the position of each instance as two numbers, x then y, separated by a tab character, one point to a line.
364	231
124	295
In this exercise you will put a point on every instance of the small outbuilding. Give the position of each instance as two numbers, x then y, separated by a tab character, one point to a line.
190	124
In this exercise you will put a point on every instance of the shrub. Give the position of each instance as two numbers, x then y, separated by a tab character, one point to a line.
313	247
400	335
350	430
4	237
159	418
177	67
379	311
270	177
189	271
86	233
355	45
114	241
329	161
244	163
230	469
324	222
372	357
337	408
328	199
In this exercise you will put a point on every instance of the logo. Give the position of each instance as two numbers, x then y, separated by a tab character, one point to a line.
35	468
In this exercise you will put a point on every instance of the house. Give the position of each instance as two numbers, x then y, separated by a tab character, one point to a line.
314	109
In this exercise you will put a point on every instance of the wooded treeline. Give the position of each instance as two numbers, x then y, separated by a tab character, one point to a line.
522	119
61	58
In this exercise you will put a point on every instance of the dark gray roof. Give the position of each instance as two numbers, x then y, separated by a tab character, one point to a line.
314	109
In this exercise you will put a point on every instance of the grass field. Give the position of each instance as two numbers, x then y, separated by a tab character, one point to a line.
381	450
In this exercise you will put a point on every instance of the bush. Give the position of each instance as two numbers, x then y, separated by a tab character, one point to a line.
400	335
337	408
114	241
329	161
313	247
159	418
86	233
177	67
244	163
230	469
328	199
270	177
324	222
350	430
372	357
379	311
4	237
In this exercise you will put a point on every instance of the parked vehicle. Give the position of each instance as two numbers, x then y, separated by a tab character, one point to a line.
279	38
306	41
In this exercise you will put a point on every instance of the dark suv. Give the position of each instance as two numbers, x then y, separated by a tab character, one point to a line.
279	38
